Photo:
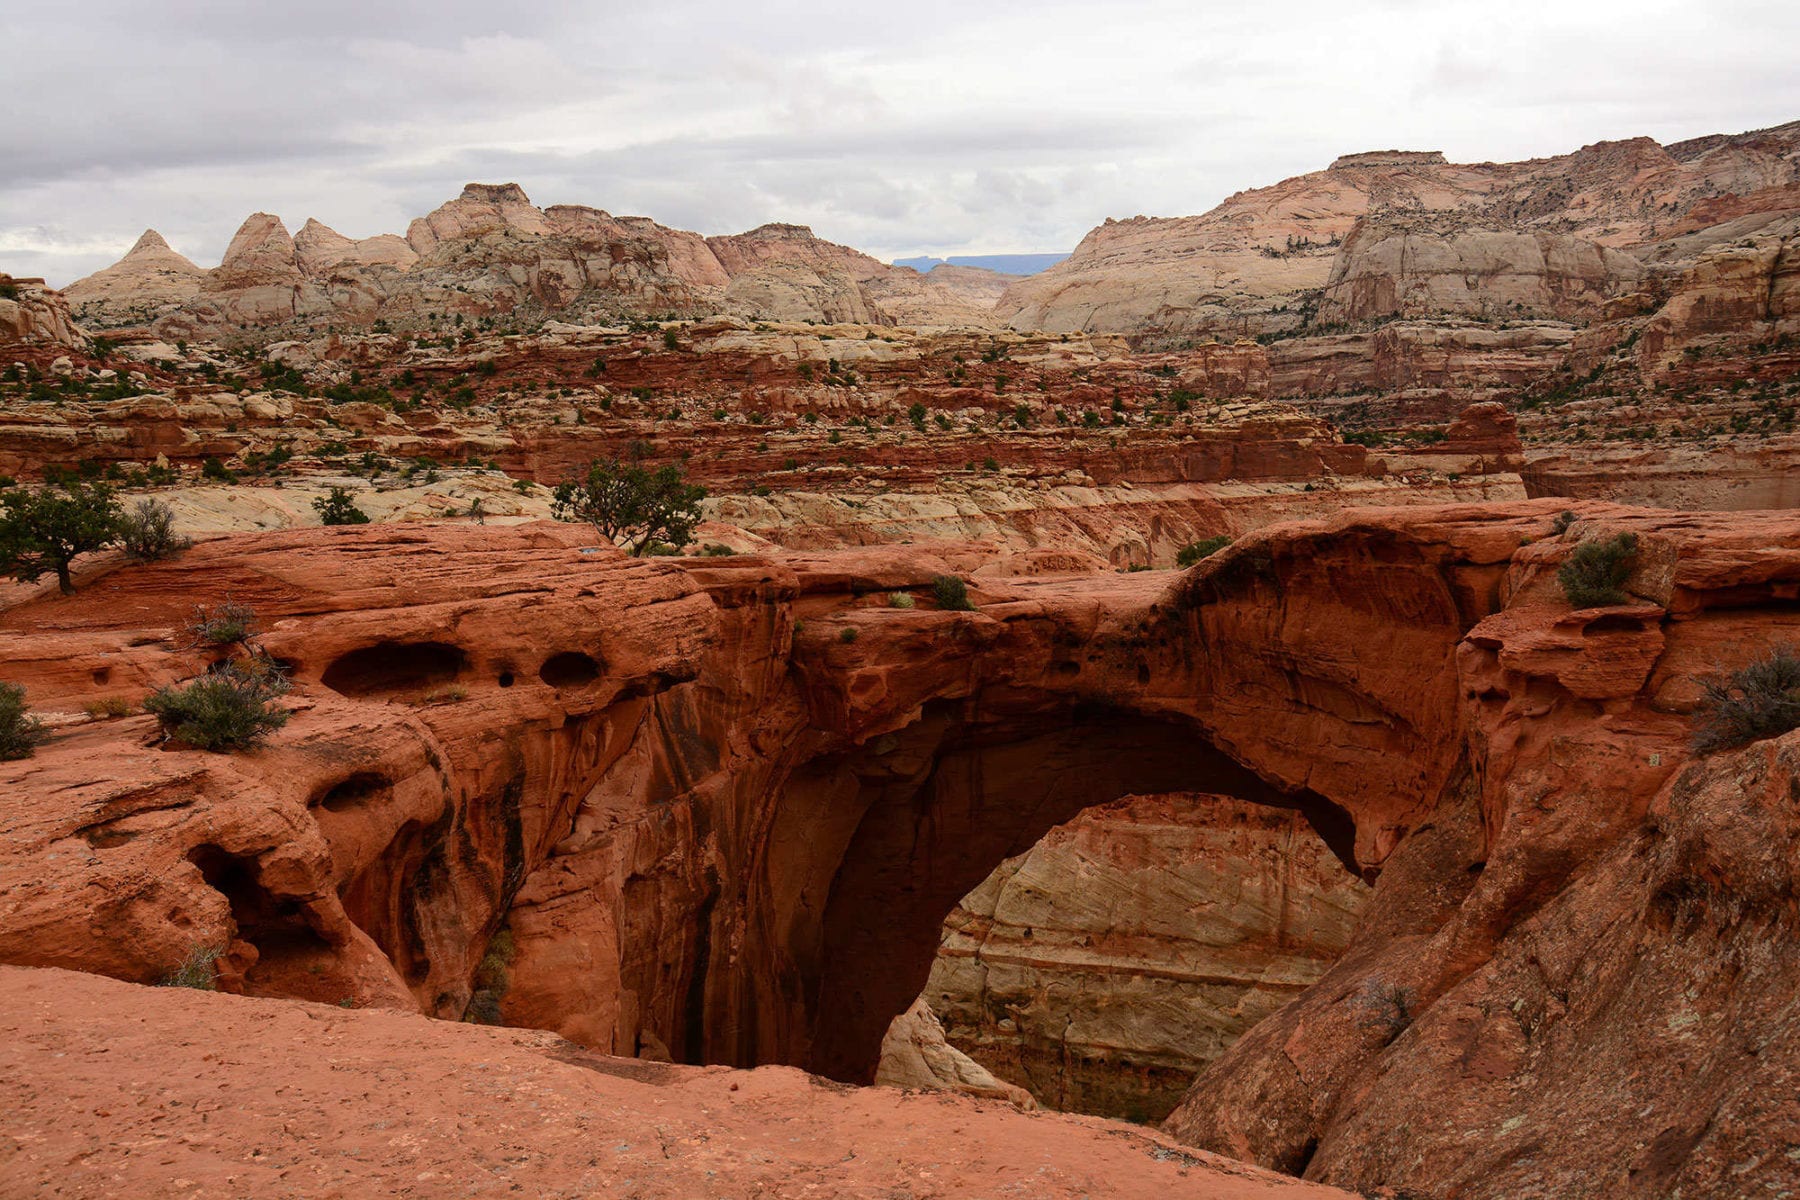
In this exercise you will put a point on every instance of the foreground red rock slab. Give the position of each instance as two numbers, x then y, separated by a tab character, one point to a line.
112	1089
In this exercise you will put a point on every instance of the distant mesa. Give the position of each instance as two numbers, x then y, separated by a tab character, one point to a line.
1390	158
1005	264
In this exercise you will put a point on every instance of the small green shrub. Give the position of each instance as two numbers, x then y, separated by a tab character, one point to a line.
846	635
20	732
1564	519
1595	573
147	531
1760	701
232	708
198	970
716	550
492	978
229	624
951	593
1193	552
900	600
337	508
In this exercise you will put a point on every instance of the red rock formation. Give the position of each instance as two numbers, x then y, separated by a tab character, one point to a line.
722	806
94	1073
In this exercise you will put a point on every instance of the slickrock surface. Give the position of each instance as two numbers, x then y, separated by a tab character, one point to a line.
116	1090
1110	962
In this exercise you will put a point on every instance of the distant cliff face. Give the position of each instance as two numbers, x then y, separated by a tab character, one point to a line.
1406	233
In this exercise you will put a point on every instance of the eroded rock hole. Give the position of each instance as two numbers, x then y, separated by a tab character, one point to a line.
274	950
569	669
395	669
355	792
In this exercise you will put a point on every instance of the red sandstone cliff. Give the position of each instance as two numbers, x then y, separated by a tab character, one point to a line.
720	808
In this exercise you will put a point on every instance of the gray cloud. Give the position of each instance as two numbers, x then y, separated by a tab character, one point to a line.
932	127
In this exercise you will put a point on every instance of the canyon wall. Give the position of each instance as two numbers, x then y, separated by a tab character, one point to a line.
720	808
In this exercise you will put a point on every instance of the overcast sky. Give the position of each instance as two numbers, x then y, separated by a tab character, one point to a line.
932	126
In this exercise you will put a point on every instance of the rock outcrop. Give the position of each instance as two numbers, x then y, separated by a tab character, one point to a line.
150	280
95	1073
1104	967
914	1054
32	313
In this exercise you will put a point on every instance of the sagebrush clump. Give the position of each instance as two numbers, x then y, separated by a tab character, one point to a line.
198	970
229	624
147	532
1595	573
1760	701
232	708
20	732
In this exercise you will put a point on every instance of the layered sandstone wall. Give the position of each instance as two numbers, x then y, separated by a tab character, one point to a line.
1107	965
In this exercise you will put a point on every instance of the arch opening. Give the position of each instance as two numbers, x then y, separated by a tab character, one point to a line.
934	809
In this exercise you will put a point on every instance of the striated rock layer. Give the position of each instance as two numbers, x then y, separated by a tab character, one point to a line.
1106	965
119	1091
720	808
1407	234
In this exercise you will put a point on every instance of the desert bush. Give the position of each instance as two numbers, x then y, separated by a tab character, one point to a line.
715	550
229	624
109	706
196	971
846	635
1760	701
232	708
20	732
951	593
1193	552
1386	1007
1595	573
1564	519
492	978
147	531
337	508
900	600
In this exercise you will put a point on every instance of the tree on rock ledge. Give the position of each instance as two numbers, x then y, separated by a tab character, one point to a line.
648	508
44	530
